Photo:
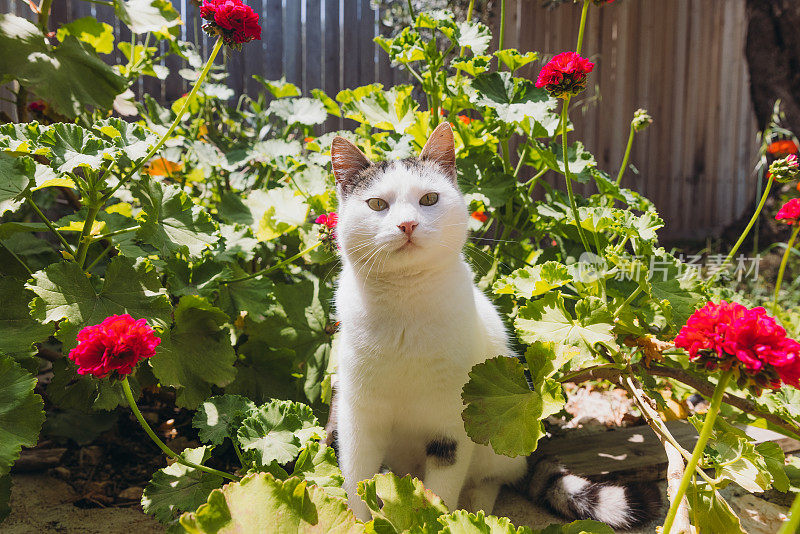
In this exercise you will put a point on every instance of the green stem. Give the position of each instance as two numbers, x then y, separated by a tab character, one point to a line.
627	301
568	176
126	389
117	232
273	267
100	257
502	24
699	448
582	26
627	156
44	14
782	269
746	231
791	526
534	180
86	239
411	12
50	225
239	454
178	117
16	258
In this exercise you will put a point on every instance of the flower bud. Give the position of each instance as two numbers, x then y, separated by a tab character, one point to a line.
785	169
641	120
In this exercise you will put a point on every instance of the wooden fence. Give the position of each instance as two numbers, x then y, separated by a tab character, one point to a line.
683	60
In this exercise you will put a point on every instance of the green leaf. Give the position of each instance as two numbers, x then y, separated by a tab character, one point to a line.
710	512
481	176
131	140
317	464
143	16
69	76
219	417
171	222
260	503
196	352
79	426
21	414
547	320
279	88
463	522
512	59
278	430
65	292
532	281
178	488
400	503
308	111
18	331
502	411
473	65
69	390
740	463
474	35
98	35
775	461
16	176
388	110
512	99
72	146
584	526
581	162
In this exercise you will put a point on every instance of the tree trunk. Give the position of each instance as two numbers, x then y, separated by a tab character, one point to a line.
773	57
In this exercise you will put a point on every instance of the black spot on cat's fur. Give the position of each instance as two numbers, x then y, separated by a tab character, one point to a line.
442	450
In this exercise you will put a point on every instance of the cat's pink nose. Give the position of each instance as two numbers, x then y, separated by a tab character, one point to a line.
407	227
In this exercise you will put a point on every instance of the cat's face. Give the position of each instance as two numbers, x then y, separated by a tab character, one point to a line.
400	215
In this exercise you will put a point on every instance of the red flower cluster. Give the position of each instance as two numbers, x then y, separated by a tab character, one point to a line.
790	212
328	219
728	335
236	22
784	147
39	106
479	216
115	345
565	74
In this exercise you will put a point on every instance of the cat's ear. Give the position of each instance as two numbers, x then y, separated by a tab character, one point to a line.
441	149
347	161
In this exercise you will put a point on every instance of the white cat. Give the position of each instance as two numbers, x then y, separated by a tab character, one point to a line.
413	324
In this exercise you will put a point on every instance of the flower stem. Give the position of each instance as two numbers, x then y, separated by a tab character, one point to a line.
746	231
126	388
50	225
791	526
568	176
273	267
85	240
626	157
502	24
782	269
584	12
178	117
699	448
13	255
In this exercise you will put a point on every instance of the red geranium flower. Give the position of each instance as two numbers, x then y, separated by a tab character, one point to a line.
236	22
565	74
784	147
789	212
480	216
327	219
37	105
729	335
464	119
115	345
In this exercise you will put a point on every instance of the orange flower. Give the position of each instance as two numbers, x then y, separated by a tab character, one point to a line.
202	131
480	216
163	167
464	119
798	186
308	139
784	147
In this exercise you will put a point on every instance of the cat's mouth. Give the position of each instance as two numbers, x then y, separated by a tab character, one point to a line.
408	245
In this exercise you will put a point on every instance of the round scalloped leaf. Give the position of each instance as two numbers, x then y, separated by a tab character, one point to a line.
463	522
21	414
219	417
260	503
17	329
400	503
317	464
503	411
16	175
178	488
278	430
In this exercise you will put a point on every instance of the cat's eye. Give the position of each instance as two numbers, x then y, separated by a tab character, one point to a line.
429	199
377	204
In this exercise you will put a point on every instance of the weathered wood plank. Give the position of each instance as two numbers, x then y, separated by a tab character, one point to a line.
312	53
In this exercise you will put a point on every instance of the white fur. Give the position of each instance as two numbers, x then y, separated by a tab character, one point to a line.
412	326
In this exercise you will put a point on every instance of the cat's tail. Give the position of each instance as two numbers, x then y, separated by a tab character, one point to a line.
621	506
